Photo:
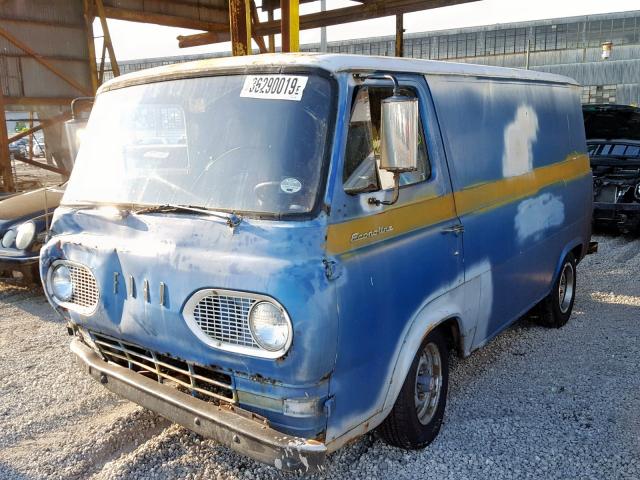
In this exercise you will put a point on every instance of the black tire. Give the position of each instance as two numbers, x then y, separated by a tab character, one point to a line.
403	427
555	310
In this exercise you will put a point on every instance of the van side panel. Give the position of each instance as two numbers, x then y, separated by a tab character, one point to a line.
521	181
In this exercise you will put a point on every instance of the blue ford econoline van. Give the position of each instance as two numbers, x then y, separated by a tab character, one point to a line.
279	252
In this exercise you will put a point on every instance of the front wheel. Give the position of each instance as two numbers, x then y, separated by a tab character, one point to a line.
416	417
555	310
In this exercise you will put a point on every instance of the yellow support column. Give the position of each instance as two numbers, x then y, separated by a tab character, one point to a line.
290	28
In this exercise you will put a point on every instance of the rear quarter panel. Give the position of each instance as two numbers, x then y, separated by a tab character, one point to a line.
522	182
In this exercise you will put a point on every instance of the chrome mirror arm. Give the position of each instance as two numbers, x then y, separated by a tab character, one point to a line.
396	193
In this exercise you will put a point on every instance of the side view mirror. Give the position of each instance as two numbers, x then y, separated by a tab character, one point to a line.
74	128
399	134
398	139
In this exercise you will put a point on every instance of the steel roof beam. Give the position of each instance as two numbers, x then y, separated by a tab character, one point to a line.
142	16
367	11
38	101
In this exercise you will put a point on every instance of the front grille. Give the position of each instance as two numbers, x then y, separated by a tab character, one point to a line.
225	318
204	383
85	287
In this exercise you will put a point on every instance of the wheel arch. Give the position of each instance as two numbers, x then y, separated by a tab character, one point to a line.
577	248
455	312
443	313
451	331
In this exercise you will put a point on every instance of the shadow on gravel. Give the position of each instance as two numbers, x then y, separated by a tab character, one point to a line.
28	298
9	473
9	291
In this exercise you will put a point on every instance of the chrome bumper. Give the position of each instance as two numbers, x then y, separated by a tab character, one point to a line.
236	428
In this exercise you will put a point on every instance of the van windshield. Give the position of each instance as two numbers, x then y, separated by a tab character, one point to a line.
240	143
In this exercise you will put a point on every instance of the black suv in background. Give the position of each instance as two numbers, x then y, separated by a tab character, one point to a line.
613	139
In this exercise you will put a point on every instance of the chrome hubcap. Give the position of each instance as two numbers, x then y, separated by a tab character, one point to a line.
428	383
565	287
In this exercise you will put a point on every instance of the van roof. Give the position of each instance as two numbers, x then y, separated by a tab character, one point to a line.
331	62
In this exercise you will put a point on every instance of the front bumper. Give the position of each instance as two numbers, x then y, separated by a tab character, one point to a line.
234	427
620	214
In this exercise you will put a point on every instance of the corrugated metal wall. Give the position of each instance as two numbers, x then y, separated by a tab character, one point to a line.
55	30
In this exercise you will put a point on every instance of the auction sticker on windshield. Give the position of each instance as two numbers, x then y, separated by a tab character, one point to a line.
274	87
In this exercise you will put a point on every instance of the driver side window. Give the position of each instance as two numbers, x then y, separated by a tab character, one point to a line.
362	171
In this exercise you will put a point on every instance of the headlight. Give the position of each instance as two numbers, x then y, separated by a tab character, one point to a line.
25	235
61	284
637	194
8	238
269	326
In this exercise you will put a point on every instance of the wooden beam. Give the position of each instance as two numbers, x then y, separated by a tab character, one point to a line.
118	13
399	35
106	38
60	58
44	23
240	26
91	44
372	9
271	5
38	58
5	156
63	117
102	63
255	23
197	39
31	137
36	101
272	37
44	166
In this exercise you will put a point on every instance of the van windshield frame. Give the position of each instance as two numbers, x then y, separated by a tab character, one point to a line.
319	112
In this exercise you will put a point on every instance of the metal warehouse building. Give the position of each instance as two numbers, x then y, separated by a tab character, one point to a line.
567	46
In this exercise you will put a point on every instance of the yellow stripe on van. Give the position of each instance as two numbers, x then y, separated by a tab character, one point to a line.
353	234
506	190
342	237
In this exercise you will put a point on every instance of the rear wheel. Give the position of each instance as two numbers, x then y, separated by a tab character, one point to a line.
555	310
416	417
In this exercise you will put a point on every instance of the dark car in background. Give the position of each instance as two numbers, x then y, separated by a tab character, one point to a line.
613	139
24	220
20	148
25	217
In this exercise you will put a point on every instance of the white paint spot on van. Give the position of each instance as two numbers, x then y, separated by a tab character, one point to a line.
519	137
536	215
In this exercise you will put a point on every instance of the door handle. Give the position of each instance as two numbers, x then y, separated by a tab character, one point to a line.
457	229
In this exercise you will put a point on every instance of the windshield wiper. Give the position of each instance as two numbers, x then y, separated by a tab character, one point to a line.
232	220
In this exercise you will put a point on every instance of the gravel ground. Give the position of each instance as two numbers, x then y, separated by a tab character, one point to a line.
534	403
